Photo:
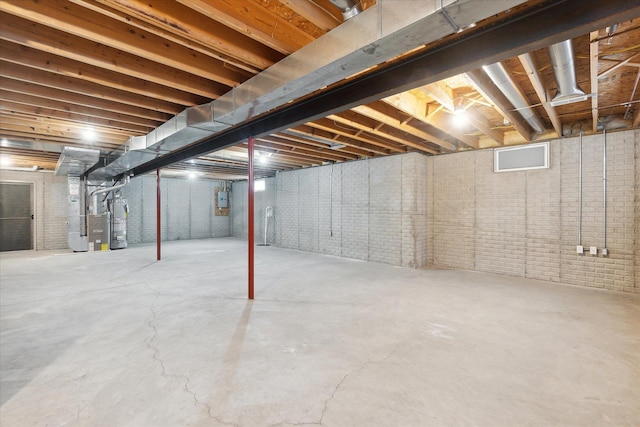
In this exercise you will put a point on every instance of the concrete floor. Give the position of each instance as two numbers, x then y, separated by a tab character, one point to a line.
118	339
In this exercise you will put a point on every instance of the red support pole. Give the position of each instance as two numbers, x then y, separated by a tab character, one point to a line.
251	225
158	223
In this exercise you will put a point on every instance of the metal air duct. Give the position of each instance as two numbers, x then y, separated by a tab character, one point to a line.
501	78
349	8
564	70
347	50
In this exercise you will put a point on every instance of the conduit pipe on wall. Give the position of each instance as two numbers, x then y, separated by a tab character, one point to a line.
501	78
580	189
605	251
331	202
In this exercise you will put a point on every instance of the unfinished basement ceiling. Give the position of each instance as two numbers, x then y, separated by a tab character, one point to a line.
93	73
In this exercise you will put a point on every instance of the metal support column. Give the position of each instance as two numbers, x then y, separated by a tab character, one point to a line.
158	223
250	232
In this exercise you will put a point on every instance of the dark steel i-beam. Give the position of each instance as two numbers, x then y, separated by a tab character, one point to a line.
538	27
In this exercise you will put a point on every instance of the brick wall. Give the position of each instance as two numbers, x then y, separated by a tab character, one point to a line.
239	216
373	210
187	209
525	223
50	214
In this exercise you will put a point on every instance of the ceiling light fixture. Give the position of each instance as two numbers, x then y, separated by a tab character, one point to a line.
5	161
89	134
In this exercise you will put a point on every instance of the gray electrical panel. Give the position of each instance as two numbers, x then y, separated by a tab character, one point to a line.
223	201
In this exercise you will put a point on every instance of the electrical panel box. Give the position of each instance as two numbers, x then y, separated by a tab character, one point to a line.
223	201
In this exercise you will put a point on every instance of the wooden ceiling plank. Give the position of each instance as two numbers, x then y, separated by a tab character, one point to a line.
32	58
285	148
542	91
335	133
72	117
483	85
442	121
314	130
36	36
402	124
353	152
71	98
70	128
255	21
441	93
410	102
319	151
174	21
82	22
480	122
70	84
57	105
594	52
349	120
618	65
314	13
48	131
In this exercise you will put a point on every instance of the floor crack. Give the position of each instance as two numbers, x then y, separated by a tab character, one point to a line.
335	390
156	357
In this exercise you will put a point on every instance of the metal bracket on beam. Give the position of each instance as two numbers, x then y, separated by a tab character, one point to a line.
455	27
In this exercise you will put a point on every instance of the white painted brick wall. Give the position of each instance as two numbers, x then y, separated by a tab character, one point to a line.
526	223
355	209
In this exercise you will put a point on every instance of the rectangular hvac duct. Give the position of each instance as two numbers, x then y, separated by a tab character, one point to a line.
75	161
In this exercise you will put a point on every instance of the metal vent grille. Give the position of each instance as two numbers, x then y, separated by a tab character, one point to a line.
533	156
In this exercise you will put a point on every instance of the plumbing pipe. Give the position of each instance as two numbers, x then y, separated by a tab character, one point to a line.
109	189
251	225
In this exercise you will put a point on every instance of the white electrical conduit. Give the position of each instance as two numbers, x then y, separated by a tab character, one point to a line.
604	192
580	190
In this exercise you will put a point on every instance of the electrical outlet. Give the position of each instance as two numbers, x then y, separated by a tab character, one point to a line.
593	250
605	252
580	249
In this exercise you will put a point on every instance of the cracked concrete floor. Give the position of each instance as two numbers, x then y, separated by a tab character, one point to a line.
118	339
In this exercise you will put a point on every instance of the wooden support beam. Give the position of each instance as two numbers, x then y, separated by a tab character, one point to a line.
541	89
83	87
319	16
37	36
329	125
347	150
82	22
30	110
316	131
57	105
492	94
183	25
40	60
480	122
255	21
413	103
11	85
442	93
384	113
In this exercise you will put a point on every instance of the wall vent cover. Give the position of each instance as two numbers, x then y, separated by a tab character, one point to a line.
532	156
